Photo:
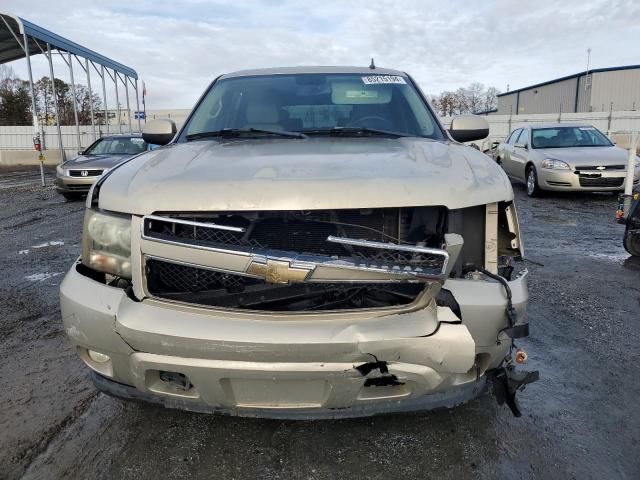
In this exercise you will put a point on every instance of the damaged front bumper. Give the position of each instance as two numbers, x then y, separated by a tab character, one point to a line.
336	364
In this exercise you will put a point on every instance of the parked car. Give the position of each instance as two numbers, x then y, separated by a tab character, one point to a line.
75	177
311	244
564	157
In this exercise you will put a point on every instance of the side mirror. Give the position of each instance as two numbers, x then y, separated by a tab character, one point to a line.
159	132
467	128
80	152
522	145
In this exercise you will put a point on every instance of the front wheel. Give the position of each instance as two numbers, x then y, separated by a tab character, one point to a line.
631	242
533	189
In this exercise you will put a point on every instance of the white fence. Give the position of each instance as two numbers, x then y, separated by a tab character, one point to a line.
617	125
21	138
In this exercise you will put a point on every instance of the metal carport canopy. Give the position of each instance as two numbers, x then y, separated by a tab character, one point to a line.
10	50
20	38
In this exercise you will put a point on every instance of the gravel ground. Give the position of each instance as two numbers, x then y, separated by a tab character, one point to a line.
580	420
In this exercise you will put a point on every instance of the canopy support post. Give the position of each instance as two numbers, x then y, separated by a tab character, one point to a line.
34	111
93	125
138	105
115	80
126	90
104	96
55	104
74	101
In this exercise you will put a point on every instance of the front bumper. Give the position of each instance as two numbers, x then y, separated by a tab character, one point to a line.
66	184
569	180
269	366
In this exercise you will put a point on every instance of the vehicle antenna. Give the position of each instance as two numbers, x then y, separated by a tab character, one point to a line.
373	65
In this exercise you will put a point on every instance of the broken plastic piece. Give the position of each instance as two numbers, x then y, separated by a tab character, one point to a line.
517	331
505	384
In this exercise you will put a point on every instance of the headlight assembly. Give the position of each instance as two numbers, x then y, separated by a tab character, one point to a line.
106	243
553	164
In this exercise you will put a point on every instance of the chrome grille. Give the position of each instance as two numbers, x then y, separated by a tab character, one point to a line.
89	173
601	167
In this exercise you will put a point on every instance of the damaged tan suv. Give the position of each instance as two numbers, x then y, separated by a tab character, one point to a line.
311	244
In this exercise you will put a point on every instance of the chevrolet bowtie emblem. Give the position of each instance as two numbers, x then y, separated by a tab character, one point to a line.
278	271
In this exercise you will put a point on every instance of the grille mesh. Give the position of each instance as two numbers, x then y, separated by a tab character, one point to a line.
206	287
166	276
601	182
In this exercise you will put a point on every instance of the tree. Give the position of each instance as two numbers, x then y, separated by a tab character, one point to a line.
15	100
491	99
461	101
472	99
475	97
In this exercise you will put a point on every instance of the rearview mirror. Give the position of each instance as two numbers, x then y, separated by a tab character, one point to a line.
159	132
467	128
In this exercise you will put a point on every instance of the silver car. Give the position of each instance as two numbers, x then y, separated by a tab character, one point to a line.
564	157
75	177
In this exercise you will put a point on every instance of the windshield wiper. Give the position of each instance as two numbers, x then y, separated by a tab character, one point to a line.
355	131
239	132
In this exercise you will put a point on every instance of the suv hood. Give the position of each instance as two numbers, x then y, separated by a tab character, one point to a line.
587	156
308	174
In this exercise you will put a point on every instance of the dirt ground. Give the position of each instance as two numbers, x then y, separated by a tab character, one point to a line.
581	420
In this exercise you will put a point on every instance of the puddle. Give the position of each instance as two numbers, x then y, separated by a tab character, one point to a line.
41	277
52	243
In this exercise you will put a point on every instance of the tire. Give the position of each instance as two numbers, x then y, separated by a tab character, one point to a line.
72	197
533	189
631	242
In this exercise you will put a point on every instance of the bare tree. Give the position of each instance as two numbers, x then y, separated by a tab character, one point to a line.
472	99
475	94
491	99
15	101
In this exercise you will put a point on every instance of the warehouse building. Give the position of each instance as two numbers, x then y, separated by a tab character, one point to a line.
597	90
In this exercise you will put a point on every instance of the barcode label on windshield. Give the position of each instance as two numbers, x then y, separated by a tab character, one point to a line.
376	79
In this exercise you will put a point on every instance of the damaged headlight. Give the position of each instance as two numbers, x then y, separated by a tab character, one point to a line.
106	243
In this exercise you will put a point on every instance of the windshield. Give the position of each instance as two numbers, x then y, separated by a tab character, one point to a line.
313	103
117	146
566	137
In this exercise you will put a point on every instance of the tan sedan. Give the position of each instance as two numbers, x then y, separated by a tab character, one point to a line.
564	157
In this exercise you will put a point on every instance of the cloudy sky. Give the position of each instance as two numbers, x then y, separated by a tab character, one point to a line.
178	47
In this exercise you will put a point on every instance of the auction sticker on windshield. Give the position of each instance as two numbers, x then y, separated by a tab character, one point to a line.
376	79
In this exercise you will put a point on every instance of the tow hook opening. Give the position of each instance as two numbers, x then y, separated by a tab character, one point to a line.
506	381
177	380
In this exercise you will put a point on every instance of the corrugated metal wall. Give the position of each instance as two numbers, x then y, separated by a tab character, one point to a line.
507	104
584	96
622	87
555	97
